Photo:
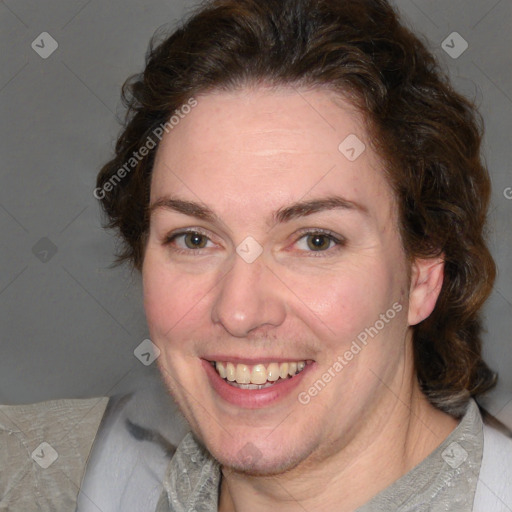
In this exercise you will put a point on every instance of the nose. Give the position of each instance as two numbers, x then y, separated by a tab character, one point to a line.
248	299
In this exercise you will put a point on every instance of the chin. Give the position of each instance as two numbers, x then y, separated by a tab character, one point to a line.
258	455
262	466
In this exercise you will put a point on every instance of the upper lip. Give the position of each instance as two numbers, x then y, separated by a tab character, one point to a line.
253	360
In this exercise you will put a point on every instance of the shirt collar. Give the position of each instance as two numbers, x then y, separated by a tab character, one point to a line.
192	480
450	472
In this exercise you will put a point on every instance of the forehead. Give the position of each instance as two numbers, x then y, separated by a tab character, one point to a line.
268	147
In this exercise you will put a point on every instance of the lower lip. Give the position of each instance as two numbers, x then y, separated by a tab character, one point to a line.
253	398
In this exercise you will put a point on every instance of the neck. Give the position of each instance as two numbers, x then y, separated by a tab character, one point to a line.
398	436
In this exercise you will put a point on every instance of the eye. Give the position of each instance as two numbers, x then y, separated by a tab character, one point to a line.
319	241
193	240
189	240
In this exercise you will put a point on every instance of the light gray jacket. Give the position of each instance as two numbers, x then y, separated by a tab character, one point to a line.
45	448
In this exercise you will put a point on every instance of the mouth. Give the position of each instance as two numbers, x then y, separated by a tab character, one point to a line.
254	386
258	376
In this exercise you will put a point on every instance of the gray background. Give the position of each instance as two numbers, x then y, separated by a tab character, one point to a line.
68	323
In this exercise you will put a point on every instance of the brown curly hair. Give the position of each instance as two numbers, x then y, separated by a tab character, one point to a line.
427	134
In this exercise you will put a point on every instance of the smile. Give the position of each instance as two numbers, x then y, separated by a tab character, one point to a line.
257	376
253	386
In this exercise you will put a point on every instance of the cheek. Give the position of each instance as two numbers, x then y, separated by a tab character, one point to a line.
342	303
172	299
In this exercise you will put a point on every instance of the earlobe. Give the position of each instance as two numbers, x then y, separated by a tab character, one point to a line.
426	283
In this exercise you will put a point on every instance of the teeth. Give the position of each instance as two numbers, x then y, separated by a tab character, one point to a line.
251	386
222	370
243	374
273	372
230	372
259	375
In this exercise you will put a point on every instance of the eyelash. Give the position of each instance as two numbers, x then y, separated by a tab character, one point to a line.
339	241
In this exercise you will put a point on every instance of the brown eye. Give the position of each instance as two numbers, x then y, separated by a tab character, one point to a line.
188	241
195	240
319	242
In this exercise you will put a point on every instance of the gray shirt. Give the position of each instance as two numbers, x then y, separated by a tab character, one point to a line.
445	480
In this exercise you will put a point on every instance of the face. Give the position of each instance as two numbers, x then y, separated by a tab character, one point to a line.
272	251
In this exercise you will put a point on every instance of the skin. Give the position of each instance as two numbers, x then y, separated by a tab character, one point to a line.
246	154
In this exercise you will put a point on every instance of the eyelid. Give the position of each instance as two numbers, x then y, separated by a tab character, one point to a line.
184	231
170	237
339	240
320	231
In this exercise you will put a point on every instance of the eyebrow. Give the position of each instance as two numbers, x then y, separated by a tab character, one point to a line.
284	214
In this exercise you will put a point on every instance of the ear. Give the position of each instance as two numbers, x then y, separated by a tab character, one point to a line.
426	282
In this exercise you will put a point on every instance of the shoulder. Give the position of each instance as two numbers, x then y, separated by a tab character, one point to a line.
134	446
14	417
45	445
494	488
